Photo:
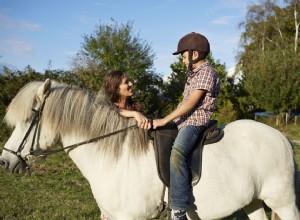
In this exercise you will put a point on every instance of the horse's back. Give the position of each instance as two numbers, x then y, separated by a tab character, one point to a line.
253	148
252	160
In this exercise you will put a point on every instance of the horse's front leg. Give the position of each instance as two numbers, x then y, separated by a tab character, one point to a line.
274	216
103	217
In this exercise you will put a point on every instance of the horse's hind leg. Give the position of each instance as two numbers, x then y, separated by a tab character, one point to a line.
255	210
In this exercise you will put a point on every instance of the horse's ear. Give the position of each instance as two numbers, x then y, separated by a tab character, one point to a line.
43	91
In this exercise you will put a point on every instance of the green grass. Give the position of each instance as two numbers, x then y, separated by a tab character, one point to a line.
57	190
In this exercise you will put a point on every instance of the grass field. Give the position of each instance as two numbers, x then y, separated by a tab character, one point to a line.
57	190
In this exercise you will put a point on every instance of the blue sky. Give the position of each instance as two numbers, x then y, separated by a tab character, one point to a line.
32	32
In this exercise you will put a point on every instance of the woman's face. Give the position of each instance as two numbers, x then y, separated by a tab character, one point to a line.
125	88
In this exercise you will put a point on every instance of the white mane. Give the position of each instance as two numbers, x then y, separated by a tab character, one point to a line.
72	110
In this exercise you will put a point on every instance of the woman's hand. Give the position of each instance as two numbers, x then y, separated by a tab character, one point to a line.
142	121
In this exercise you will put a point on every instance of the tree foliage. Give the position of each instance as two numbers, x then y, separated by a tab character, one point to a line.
115	47
173	87
270	57
13	80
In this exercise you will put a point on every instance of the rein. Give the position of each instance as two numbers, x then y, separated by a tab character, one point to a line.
46	153
35	124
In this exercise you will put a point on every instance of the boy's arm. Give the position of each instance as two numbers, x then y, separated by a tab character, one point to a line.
184	108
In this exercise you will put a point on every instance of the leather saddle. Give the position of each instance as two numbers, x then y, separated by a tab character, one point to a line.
164	138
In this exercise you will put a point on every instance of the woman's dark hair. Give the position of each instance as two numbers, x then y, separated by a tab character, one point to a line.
112	83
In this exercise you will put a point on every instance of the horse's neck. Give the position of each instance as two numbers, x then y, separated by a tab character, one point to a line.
113	182
93	162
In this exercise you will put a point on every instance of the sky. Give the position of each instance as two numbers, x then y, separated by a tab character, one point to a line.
48	33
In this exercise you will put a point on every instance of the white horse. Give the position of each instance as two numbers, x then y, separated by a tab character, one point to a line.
252	163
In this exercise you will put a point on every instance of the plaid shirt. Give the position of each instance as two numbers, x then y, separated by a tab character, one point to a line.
204	78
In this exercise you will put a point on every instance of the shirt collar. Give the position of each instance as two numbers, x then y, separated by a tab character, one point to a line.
194	71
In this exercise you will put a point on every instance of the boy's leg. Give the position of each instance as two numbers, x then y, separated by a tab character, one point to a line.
180	182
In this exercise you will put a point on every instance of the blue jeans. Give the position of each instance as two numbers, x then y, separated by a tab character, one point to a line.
180	179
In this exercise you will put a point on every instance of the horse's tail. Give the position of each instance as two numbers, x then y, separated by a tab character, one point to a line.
296	179
297	185
274	216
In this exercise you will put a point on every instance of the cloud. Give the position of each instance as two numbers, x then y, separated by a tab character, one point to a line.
105	5
233	8
165	4
85	19
234	3
8	23
231	71
10	42
16	47
70	53
224	20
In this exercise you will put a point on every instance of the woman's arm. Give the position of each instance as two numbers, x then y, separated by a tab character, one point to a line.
142	121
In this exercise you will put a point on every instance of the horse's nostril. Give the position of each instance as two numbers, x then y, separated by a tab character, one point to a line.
4	164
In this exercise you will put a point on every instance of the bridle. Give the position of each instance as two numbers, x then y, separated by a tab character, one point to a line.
35	124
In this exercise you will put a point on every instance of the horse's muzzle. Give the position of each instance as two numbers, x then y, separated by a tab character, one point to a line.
19	167
4	164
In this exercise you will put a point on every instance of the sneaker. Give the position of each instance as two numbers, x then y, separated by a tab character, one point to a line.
178	214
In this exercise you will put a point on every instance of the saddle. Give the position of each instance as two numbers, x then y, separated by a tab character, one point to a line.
164	138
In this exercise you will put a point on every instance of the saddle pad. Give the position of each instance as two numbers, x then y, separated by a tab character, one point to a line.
164	138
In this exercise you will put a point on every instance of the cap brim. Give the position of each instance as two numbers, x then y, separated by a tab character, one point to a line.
179	52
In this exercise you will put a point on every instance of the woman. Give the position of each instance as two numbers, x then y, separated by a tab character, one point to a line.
119	91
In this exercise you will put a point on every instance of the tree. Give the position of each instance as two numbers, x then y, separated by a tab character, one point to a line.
115	47
228	105
270	57
10	83
172	89
13	80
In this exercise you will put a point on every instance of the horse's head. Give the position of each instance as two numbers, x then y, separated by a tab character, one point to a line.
28	140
